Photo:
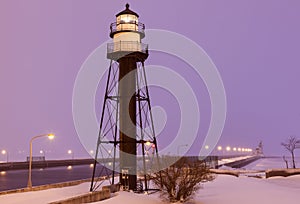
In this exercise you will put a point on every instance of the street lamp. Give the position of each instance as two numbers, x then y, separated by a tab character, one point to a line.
43	152
50	137
71	152
4	152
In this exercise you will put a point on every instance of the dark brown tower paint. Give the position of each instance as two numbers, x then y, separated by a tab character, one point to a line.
127	114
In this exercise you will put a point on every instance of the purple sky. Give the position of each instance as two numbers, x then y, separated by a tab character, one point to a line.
254	44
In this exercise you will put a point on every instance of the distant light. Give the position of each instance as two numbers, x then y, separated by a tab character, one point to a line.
92	152
206	147
239	149
234	149
3	151
148	143
69	167
153	146
147	160
69	151
228	148
41	152
2	173
109	163
243	149
91	165
250	150
219	148
51	136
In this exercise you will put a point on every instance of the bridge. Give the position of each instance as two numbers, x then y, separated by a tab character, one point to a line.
234	161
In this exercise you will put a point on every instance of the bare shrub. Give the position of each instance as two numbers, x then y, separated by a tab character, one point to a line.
181	180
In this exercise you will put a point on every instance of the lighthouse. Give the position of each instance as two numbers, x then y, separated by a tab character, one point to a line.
126	138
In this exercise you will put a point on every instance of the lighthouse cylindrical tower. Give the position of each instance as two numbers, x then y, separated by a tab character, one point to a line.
127	33
126	142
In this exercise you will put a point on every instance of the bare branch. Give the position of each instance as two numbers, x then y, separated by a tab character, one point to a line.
181	180
291	144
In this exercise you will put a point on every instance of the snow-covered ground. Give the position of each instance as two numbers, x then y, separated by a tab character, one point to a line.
231	190
223	190
266	163
44	196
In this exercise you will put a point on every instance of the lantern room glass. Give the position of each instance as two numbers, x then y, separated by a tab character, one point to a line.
127	22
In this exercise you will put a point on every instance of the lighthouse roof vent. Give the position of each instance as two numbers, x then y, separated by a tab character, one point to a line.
127	11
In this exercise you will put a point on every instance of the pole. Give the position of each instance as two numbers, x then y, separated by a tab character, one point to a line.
29	184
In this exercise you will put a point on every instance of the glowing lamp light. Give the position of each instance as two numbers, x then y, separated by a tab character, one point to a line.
69	167
219	148
234	149
148	143
228	148
126	19
206	147
51	136
3	151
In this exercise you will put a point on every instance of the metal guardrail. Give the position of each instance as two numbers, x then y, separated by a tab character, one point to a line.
127	46
124	26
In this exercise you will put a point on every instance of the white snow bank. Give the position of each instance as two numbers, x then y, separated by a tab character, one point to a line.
45	196
223	190
290	182
232	190
132	198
